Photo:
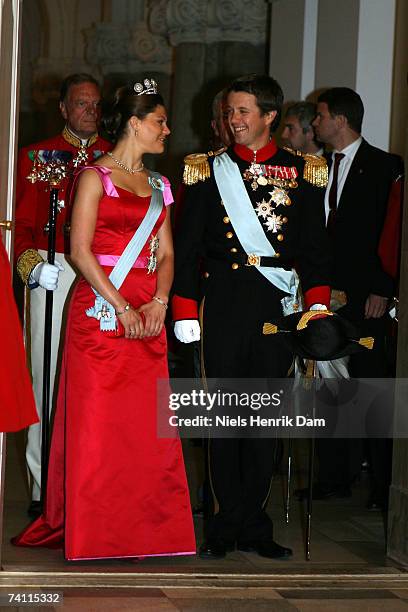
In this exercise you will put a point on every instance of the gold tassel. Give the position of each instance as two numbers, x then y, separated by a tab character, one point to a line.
269	328
315	170
310	314
309	375
367	342
310	368
196	168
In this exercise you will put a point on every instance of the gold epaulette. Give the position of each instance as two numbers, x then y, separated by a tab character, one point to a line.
197	168
315	170
26	264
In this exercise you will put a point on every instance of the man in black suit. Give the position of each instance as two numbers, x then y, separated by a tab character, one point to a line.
360	180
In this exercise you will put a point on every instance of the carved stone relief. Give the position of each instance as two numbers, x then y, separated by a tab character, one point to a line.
216	21
134	48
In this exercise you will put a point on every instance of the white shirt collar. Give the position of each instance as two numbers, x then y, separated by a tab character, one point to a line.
351	149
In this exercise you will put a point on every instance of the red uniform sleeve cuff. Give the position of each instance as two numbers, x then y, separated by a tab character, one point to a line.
183	308
317	295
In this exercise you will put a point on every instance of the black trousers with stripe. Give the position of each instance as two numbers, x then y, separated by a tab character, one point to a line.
235	308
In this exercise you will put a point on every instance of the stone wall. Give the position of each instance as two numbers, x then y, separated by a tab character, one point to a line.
191	47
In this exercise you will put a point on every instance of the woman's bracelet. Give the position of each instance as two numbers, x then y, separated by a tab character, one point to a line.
125	309
162	302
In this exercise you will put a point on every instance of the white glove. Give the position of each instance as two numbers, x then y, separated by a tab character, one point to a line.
318	307
46	275
187	330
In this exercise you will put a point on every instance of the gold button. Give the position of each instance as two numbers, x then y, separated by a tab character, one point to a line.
234	250
284	220
229	235
280	237
226	219
235	266
277	255
206	274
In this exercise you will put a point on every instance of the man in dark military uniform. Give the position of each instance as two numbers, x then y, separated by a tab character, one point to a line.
249	217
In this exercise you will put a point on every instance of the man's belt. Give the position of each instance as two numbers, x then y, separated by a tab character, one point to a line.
250	260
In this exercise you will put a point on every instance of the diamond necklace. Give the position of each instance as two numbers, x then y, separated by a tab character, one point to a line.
126	168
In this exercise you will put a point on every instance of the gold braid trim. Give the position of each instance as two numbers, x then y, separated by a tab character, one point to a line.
75	141
315	170
26	264
310	314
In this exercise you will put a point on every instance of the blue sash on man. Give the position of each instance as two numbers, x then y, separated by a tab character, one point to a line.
249	229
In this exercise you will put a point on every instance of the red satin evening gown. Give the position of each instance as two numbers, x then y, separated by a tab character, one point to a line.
114	488
17	407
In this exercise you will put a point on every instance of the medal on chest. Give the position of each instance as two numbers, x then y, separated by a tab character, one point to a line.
266	174
266	209
81	157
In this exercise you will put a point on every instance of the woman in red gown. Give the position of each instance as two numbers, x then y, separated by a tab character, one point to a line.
114	488
17	407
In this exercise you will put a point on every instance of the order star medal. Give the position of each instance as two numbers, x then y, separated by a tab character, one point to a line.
274	223
263	209
81	157
280	197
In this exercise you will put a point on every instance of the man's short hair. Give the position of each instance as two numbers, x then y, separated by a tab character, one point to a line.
305	113
267	91
75	79
216	103
344	101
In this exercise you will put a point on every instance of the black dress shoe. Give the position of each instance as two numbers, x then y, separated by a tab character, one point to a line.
34	509
268	548
319	492
214	549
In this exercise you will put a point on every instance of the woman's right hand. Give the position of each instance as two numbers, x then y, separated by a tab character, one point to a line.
132	323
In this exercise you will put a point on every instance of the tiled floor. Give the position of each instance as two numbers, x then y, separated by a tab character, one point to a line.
348	569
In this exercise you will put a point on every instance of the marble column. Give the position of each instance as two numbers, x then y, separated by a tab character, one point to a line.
214	41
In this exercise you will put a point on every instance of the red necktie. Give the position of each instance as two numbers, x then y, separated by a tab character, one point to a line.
333	192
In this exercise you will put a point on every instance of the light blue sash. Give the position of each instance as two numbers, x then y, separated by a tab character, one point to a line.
248	227
103	310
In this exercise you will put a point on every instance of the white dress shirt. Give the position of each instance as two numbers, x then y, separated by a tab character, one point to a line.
344	167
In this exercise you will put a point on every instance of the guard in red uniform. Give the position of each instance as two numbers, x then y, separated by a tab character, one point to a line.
80	144
16	395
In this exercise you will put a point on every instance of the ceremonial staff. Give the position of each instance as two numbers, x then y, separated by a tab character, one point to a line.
49	167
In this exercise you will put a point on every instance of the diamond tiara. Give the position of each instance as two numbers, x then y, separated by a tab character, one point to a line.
149	86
